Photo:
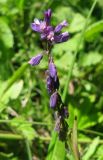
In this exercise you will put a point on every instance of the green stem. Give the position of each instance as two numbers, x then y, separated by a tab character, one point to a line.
91	132
10	136
31	122
88	141
75	54
28	149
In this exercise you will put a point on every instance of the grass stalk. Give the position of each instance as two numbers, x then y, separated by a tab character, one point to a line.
28	149
76	52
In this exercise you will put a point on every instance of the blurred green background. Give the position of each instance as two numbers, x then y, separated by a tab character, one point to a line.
23	96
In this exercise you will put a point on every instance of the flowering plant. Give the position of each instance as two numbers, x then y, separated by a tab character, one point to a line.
52	35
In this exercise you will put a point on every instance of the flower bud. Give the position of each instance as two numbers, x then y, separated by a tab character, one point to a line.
52	70
54	99
59	27
36	60
63	37
47	15
52	85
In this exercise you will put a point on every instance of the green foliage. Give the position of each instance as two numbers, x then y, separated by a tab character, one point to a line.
24	101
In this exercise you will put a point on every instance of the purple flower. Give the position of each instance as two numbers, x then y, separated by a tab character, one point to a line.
63	37
52	70
48	32
59	27
35	60
54	99
38	26
47	15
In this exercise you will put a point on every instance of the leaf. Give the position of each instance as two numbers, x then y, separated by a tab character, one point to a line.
8	84
18	73
14	90
92	58
93	30
6	35
91	150
77	23
56	148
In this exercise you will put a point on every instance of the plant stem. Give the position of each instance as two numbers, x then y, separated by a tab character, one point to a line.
76	52
28	149
91	131
31	122
10	136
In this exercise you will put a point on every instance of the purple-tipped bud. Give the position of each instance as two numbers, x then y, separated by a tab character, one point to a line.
47	15
59	27
63	37
35	60
52	70
54	99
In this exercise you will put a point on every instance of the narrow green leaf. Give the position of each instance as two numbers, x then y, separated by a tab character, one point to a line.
56	148
91	150
74	140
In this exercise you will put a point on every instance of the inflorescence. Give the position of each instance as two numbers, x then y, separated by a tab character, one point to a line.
52	35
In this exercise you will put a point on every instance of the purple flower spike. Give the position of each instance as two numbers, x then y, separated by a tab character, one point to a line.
47	15
54	99
36	60
59	27
52	70
63	37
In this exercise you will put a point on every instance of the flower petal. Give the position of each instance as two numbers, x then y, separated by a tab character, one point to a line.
35	27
